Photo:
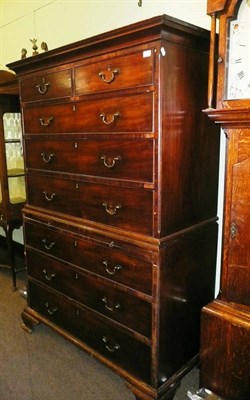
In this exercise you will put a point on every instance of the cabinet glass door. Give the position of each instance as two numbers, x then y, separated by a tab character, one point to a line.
14	157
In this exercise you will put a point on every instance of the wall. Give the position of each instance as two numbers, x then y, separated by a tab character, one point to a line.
60	22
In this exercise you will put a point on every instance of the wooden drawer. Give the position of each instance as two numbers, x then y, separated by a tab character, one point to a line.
48	85
117	114
91	256
126	208
126	159
92	292
115	73
109	341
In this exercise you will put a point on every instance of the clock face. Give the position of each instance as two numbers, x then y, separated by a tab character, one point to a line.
238	68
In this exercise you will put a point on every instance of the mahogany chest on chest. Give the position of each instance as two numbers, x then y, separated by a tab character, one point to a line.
122	174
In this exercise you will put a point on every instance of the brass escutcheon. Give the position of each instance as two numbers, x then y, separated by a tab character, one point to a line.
111	210
111	73
47	158
109	120
43	87
46	121
108	161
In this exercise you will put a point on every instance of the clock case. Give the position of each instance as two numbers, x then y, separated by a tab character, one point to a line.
225	323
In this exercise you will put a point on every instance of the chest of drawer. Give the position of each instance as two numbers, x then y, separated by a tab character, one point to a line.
99	259
122	207
117	114
104	338
48	85
115	73
118	159
94	293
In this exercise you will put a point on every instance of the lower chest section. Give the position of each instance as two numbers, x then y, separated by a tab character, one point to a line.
100	295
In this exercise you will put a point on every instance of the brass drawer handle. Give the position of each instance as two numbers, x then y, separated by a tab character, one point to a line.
48	276
109	120
43	87
46	121
109	306
233	230
111	73
111	210
110	347
113	270
3	219
47	245
47	158
110	162
49	197
50	310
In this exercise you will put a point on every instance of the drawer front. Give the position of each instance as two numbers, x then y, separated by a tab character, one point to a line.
104	261
92	292
126	208
116	346
126	159
115	73
117	114
49	85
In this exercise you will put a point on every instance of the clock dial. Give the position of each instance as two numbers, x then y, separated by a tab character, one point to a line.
238	68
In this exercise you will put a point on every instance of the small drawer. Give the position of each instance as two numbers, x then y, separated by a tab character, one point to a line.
94	293
49	85
115	73
116	346
122	114
126	208
100	259
117	159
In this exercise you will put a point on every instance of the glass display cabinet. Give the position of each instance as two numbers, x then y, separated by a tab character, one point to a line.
12	184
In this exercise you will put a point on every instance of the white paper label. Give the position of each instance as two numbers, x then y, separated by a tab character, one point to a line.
147	53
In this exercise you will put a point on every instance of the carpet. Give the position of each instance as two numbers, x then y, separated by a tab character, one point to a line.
44	366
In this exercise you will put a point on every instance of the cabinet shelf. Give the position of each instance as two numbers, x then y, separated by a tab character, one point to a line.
15	172
12	141
17	200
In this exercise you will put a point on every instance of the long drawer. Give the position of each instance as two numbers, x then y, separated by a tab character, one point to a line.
92	292
115	345
119	114
92	256
115	73
126	208
119	159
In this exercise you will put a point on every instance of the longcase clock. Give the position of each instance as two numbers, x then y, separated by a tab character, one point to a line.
225	323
